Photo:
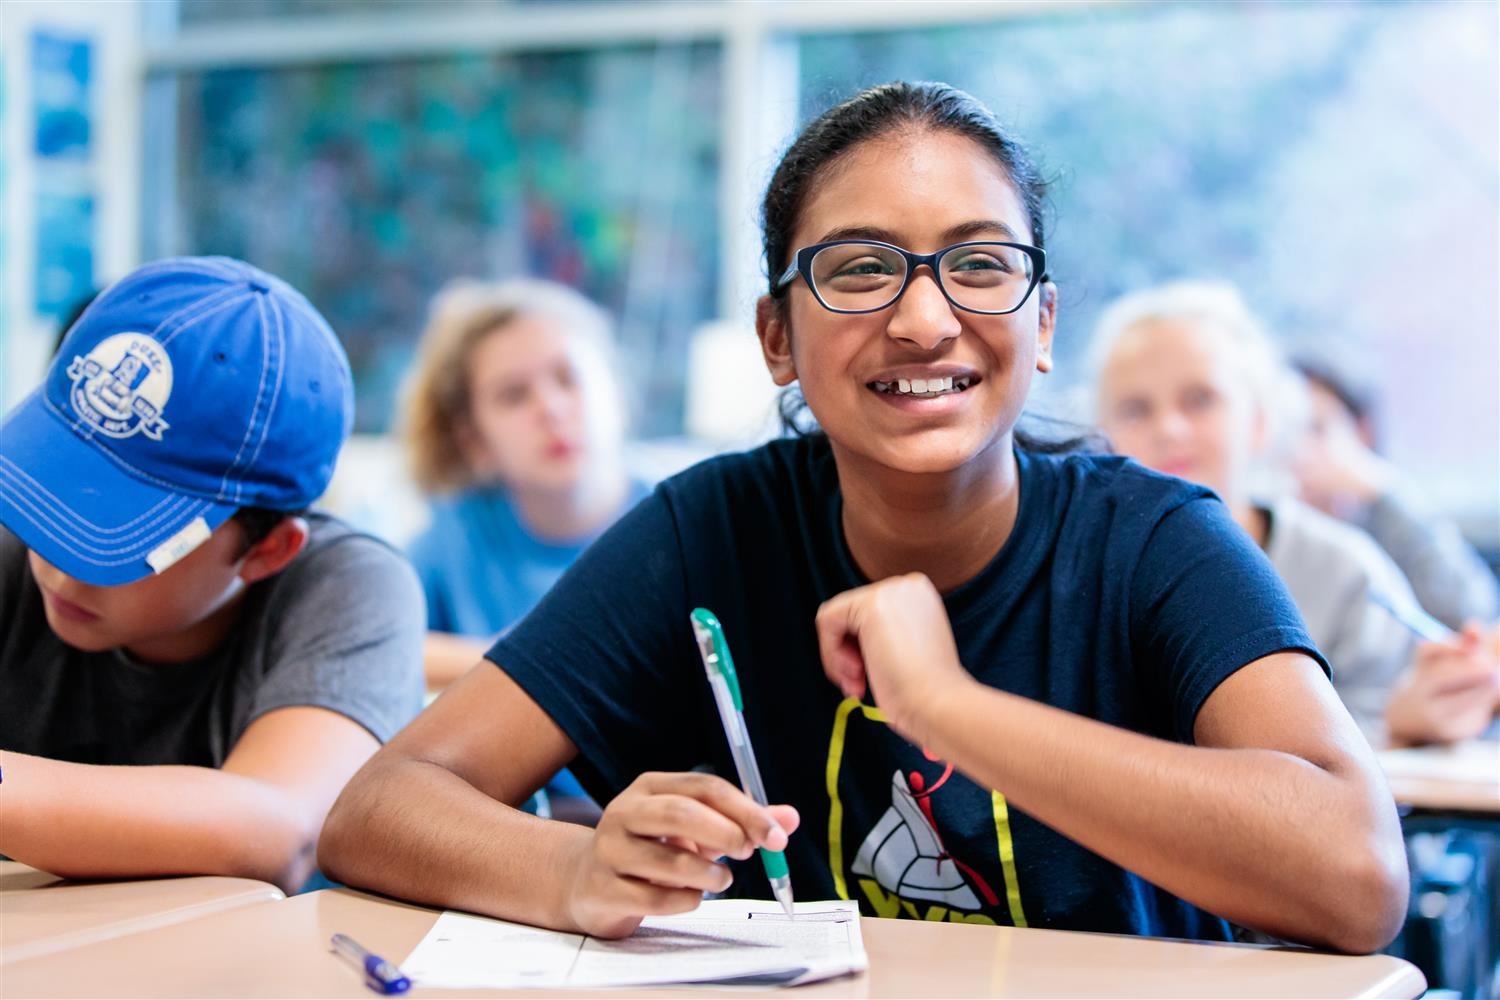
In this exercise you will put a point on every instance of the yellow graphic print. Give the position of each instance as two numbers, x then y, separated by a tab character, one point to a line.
947	894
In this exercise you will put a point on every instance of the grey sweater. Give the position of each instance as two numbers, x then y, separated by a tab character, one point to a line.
1448	577
1331	569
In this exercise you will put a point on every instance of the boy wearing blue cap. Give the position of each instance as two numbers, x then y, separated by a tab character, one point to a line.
167	600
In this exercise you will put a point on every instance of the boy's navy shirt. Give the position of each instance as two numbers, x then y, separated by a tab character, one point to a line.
1121	595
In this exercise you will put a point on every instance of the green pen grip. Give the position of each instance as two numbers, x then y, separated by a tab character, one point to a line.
774	862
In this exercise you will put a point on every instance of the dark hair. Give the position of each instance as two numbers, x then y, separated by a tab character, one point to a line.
1358	399
72	316
258	522
871	114
868	115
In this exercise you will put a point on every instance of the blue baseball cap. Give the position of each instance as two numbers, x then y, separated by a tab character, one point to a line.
189	389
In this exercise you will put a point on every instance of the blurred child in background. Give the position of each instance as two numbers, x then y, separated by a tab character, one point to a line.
1186	382
514	425
1340	471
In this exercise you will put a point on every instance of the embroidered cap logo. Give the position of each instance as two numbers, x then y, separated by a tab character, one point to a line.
122	386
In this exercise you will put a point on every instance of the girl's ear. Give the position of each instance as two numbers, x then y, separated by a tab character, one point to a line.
775	341
1046	325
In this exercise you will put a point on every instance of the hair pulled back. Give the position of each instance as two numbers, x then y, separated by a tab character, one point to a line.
870	114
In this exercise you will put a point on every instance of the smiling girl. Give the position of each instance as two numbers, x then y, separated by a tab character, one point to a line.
987	684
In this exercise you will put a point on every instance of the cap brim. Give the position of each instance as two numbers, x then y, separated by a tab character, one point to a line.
78	509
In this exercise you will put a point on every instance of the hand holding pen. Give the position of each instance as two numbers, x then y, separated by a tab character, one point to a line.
1451	691
656	850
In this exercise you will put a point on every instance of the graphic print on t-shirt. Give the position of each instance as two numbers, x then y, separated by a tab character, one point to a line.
904	865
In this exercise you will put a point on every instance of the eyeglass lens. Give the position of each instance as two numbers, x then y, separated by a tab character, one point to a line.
990	277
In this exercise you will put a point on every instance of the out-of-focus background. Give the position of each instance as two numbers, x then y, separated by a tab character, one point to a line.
1339	162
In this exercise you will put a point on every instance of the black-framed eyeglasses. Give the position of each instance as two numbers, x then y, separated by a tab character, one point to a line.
864	276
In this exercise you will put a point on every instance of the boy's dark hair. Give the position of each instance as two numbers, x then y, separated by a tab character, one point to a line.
258	522
868	115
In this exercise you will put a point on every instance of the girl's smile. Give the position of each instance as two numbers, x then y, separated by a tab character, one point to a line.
920	386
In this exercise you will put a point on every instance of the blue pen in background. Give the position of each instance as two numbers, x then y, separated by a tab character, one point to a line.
1416	620
380	975
726	687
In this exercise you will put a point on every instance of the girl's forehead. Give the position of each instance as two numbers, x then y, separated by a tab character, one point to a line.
1153	346
521	344
913	184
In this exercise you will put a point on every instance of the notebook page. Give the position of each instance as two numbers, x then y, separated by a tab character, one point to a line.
730	939
721	941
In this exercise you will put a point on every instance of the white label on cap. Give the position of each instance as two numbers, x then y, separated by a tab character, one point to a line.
164	555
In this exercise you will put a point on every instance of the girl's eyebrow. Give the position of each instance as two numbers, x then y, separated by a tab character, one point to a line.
976	228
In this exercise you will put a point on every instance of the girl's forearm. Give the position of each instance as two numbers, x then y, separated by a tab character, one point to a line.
1260	837
415	830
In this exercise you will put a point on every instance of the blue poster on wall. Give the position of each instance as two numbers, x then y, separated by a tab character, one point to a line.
64	251
60	85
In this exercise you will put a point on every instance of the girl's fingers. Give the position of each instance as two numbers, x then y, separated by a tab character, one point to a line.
838	644
787	817
639	897
682	817
650	859
757	826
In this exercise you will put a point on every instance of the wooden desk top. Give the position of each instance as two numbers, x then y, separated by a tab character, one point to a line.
1462	778
41	914
280	950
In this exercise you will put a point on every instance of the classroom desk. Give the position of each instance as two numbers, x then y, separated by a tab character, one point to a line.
1457	779
280	950
41	914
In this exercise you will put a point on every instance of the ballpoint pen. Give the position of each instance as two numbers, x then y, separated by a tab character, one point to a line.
1416	620
726	687
380	975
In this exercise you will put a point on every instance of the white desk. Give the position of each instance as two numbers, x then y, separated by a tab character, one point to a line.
280	949
1461	778
41	914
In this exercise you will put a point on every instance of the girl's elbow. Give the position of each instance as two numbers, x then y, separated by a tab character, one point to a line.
338	841
1372	900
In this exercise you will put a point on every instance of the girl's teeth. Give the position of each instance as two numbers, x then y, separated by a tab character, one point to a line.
924	387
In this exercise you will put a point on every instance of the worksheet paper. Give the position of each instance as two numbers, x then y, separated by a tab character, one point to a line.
723	941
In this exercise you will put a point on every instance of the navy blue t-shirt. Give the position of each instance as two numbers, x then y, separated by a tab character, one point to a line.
1121	595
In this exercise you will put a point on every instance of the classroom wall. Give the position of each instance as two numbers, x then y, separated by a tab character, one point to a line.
70	141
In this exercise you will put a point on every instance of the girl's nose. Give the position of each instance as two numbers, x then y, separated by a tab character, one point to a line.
923	316
1171	425
555	401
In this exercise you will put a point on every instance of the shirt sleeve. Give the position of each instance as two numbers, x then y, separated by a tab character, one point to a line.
1449	578
347	626
1205	602
608	654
